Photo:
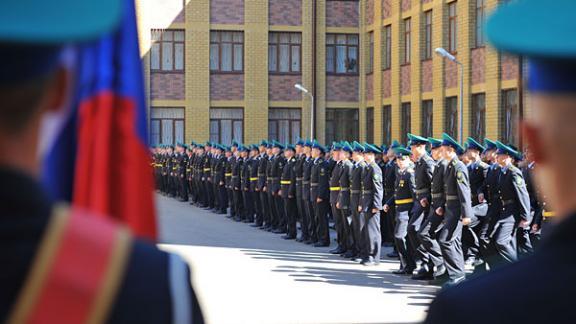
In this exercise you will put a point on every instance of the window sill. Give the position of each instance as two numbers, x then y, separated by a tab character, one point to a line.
479	47
343	74
426	59
222	72
167	72
405	64
284	73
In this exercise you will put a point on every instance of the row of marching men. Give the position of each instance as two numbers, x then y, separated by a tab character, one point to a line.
442	205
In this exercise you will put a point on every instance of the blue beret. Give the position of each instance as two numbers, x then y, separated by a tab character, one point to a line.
471	144
336	146
417	140
290	147
347	147
243	148
317	145
489	144
277	145
369	148
357	147
300	142
395	143
264	143
402	151
254	147
308	143
505	149
384	149
447	140
434	143
235	143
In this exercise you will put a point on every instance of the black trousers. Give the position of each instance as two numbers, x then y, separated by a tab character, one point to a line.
523	244
265	206
337	224
223	198
357	227
417	218
238	204
450	242
272	209
291	212
346	230
321	212
304	219
248	206
313	223
401	240
230	194
388	229
428	234
209	194
258	208
281	221
373	235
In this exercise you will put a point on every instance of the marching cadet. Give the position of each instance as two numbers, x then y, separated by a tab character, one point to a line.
232	162
199	175
237	184
423	170
288	192
370	206
253	170
259	176
535	206
182	168
245	176
171	168
278	163
190	172
402	201
477	170
343	200
207	176
523	243
261	187
308	224
382	160
457	210
299	175
515	209
334	192
220	179
358	221
268	188
433	224
320	194
389	183
228	183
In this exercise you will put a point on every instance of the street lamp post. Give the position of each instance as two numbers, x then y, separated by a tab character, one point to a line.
444	53
305	91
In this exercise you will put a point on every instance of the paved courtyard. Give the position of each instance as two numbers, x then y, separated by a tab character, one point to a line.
246	275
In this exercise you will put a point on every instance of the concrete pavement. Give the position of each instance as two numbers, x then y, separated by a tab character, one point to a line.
246	275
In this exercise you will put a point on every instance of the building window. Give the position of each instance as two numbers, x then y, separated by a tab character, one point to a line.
479	23
342	53
451	116
166	125
341	125
167	51
452	28
226	125
387	52
427	118
510	117
427	54
407	41
370	125
370	65
478	117
284	52
284	124
226	51
405	121
387	124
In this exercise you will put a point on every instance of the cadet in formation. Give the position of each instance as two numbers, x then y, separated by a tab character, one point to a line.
448	207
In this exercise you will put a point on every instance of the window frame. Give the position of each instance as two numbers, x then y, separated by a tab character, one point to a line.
405	121
453	109
348	45
427	108
428	36
289	120
356	122
479	34
369	129
233	44
406	41
173	42
387	124
219	120
370	63
474	112
506	126
290	46
452	27
387	52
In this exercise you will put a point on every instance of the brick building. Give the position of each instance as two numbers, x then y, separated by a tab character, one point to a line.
226	69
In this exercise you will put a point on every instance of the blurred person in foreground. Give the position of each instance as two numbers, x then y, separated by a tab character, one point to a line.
539	288
61	264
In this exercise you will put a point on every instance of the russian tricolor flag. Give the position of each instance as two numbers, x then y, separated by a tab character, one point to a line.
95	153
